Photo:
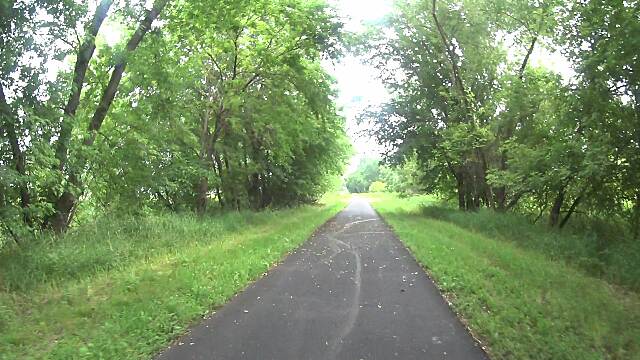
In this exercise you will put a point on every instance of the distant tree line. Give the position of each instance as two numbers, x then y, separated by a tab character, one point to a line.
365	174
496	130
372	175
200	103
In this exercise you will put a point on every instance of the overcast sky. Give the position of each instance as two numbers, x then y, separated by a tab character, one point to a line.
357	83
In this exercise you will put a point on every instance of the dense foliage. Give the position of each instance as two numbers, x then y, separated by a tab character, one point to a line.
199	103
497	130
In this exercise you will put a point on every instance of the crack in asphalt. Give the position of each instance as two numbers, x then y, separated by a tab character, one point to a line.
354	309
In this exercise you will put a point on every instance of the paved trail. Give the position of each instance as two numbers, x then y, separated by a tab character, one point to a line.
351	292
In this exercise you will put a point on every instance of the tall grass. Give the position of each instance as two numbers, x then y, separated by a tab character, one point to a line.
598	248
123	288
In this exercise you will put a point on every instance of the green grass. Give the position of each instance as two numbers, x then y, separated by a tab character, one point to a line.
124	289
523	301
599	249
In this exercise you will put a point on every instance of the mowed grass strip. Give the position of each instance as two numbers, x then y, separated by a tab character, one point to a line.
519	302
125	294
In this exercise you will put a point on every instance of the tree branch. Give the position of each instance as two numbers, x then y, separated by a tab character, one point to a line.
110	92
14	236
523	66
251	80
525	61
572	208
215	63
234	73
85	53
450	56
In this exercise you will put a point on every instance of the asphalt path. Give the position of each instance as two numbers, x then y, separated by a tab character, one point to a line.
352	291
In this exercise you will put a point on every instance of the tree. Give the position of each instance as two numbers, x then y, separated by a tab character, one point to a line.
491	128
65	204
179	115
367	172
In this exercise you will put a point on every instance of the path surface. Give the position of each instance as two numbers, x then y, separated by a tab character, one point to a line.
351	292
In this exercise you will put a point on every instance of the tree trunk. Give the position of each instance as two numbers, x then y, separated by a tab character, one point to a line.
219	196
220	189
554	215
470	194
208	153
461	192
202	192
19	158
572	209
116	75
267	199
202	187
460	185
451	56
20	164
85	53
472	188
485	188
501	191
501	198
255	191
66	203
229	190
63	207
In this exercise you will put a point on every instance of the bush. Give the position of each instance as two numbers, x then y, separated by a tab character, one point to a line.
377	186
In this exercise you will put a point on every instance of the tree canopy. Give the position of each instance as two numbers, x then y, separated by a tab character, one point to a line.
199	104
495	130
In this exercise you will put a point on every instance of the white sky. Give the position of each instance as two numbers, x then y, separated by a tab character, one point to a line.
357	83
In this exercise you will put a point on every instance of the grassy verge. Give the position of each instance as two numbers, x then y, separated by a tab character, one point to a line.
593	247
124	289
520	301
